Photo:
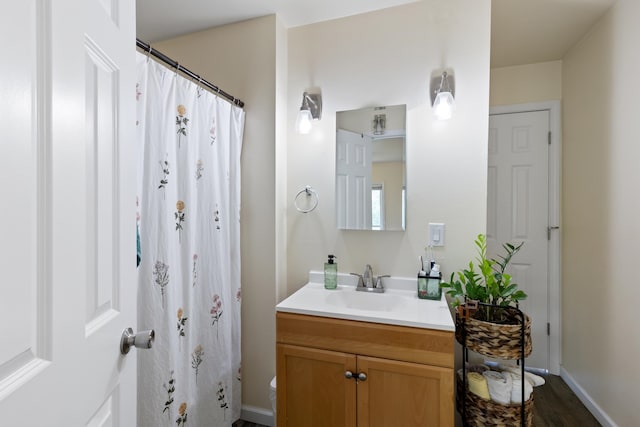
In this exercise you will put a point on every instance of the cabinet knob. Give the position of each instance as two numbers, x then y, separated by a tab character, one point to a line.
360	377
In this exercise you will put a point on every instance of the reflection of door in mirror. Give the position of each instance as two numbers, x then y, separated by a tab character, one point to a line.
353	180
370	168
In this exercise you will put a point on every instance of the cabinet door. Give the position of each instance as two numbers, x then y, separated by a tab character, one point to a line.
312	390
404	394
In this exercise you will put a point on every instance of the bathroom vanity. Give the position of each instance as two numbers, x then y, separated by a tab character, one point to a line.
347	358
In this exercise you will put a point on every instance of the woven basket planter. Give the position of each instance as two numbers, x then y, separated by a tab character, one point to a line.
482	413
498	340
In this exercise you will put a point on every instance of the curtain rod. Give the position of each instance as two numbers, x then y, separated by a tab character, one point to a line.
174	64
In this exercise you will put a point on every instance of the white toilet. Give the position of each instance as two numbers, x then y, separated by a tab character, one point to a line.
272	396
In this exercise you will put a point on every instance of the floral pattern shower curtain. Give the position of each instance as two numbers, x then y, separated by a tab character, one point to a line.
189	144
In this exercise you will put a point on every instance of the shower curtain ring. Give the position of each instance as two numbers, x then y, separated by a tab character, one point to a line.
149	53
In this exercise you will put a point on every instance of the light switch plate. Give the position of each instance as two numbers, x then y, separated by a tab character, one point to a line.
436	234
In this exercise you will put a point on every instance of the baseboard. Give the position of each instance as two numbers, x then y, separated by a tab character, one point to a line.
584	397
257	415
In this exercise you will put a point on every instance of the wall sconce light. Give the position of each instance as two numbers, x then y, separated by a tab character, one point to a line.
379	124
442	96
311	109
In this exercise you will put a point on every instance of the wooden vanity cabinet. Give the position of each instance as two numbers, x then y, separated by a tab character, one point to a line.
314	390
409	374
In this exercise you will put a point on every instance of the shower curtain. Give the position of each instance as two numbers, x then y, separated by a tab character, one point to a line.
189	145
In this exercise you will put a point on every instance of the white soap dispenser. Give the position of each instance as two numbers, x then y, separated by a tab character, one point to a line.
433	283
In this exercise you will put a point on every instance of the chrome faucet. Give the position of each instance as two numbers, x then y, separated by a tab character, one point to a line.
367	282
367	277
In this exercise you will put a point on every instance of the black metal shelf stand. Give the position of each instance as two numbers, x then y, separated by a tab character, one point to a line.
520	316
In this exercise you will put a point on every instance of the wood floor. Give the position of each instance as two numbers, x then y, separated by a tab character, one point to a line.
555	405
241	423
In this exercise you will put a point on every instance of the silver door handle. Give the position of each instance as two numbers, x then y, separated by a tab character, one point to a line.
142	340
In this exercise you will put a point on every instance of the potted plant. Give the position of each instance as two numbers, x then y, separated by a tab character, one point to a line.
488	283
486	299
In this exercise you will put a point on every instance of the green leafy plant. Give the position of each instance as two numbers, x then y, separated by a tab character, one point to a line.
486	281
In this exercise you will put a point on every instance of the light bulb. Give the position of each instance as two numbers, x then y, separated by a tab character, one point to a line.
303	121
444	105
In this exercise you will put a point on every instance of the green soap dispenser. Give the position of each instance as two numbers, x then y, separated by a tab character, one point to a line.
331	273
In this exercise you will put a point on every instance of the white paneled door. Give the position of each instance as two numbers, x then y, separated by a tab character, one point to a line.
353	180
518	211
67	248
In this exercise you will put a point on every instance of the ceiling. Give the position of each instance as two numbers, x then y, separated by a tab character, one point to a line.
163	19
522	31
530	31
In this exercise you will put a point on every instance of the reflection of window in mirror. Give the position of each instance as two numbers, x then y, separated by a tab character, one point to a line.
404	207
377	207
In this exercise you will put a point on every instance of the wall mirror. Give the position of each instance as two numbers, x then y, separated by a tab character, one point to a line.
370	168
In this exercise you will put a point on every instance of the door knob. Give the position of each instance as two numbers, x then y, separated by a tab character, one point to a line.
142	340
348	375
362	376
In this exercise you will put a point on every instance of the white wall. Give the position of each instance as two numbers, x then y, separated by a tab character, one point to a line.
526	83
386	58
601	209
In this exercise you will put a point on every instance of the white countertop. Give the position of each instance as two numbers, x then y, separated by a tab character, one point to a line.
398	305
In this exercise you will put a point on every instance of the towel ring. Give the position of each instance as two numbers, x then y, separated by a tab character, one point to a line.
310	192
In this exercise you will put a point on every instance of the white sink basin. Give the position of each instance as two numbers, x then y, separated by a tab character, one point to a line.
364	301
398	305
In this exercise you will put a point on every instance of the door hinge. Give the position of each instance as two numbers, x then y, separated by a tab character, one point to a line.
549	137
549	229
548	328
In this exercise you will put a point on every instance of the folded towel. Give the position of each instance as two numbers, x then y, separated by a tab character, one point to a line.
500	386
478	385
476	368
516	390
535	380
